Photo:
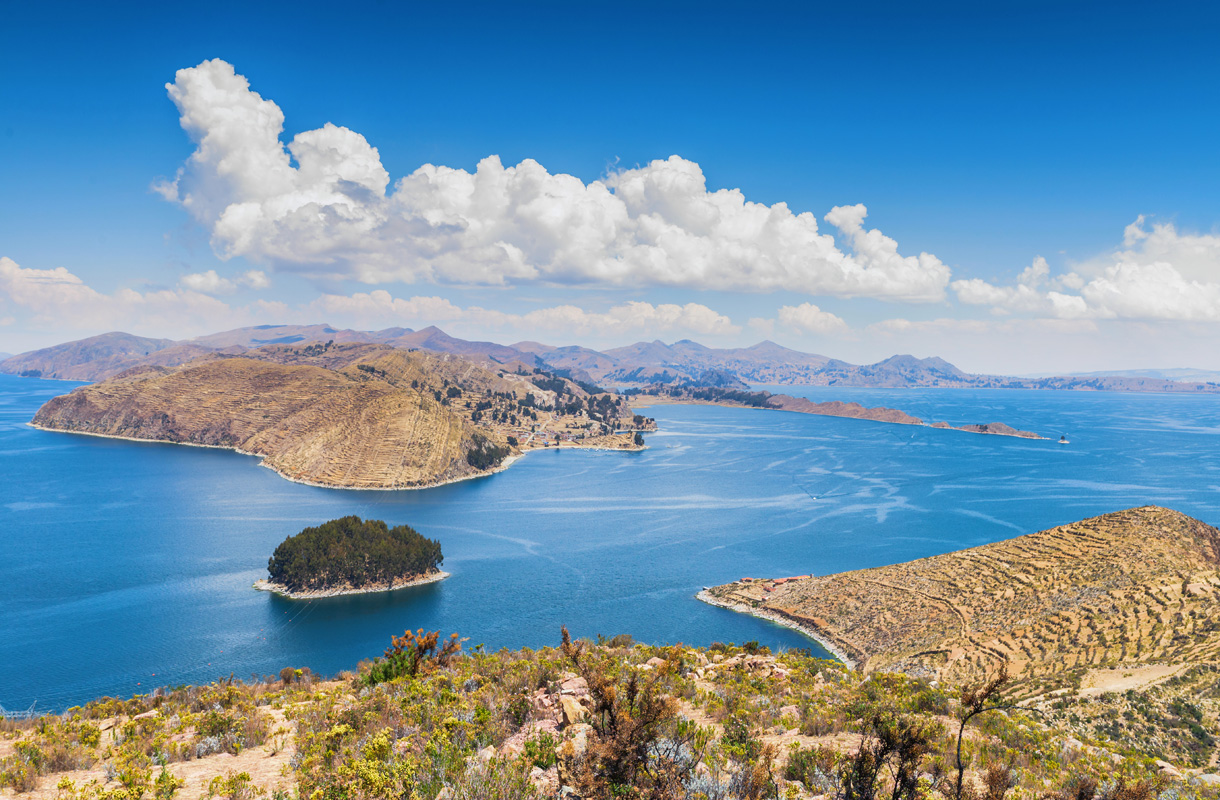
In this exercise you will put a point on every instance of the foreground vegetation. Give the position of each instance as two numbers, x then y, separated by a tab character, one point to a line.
431	719
350	552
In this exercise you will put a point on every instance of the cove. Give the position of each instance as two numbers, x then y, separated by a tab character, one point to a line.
125	566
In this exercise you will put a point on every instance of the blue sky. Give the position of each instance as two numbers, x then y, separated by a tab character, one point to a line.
979	137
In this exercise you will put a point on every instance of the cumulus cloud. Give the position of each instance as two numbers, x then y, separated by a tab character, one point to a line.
323	205
59	298
637	318
380	305
808	318
211	283
1158	274
951	326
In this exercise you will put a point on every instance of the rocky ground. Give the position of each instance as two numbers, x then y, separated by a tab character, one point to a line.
585	720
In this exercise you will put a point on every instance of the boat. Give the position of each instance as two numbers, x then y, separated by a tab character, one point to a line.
1064	440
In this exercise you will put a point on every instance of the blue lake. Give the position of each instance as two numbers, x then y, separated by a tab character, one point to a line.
125	566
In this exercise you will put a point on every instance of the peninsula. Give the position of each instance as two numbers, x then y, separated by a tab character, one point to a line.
743	397
1130	587
352	556
354	415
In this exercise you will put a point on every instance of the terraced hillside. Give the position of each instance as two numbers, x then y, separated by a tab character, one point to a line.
1132	587
350	415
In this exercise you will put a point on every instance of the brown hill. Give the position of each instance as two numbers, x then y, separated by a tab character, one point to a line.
107	353
351	415
683	361
1131	587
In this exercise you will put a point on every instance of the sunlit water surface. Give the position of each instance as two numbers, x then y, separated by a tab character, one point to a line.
125	566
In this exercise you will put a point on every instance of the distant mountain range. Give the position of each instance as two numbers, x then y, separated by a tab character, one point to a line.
1186	375
683	362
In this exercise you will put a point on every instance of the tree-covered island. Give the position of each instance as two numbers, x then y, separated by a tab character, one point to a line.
350	556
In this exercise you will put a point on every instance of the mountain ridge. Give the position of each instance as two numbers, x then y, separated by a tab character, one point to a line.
685	360
352	415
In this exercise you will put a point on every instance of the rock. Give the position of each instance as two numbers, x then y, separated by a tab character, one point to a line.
1209	779
578	739
790	711
572	711
486	754
574	685
446	793
1167	770
542	701
545	781
515	744
655	662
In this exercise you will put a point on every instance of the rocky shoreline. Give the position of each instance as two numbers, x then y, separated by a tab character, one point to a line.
265	585
835	408
508	461
780	619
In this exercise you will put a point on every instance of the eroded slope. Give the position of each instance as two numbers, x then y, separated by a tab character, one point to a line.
1128	587
351	415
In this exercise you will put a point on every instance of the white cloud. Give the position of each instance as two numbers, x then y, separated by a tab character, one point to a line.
808	318
636	318
211	283
956	327
380	305
59	299
1158	275
332	215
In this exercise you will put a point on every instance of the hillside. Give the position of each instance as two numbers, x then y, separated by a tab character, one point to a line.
594	721
347	415
642	363
107	354
1128	588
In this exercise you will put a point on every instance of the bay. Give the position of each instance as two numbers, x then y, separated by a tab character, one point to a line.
125	566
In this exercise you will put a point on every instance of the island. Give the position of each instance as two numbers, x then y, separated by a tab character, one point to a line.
352	556
741	396
354	415
1134	587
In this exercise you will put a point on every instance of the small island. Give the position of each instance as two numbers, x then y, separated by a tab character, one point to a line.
352	556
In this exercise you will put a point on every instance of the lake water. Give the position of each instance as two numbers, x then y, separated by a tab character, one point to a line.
126	566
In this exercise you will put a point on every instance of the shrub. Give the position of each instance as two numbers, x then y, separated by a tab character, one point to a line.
411	653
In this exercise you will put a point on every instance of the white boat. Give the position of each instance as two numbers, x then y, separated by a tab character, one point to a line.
1063	440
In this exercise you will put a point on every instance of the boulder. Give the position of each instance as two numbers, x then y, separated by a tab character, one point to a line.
572	711
574	685
515	744
545	781
578	739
